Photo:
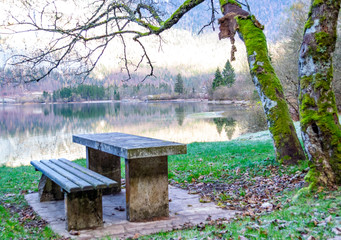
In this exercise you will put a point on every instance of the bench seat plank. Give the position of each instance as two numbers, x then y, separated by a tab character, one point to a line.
93	181
107	181
80	182
63	182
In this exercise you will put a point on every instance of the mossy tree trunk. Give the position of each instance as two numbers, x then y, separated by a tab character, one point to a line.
321	130
287	146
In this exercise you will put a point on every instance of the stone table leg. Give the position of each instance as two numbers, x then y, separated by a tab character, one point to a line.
83	210
147	188
105	164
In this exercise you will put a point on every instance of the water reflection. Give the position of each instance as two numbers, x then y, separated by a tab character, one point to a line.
79	111
229	124
30	132
180	114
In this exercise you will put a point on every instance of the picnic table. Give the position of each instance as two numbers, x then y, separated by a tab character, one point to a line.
146	169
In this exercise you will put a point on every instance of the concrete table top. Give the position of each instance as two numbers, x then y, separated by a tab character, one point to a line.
129	146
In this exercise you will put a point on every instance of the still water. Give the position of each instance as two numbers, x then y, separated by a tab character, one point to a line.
34	132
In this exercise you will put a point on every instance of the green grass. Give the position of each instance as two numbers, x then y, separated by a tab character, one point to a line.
218	161
15	182
11	228
205	162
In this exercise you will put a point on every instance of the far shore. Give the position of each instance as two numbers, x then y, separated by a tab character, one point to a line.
130	100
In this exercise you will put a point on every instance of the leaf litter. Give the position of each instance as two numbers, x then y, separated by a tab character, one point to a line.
250	194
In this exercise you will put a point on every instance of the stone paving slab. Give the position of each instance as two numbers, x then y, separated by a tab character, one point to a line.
184	208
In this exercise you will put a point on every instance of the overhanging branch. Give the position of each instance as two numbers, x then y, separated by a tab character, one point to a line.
80	41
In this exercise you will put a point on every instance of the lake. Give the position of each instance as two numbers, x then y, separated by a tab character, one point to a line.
44	131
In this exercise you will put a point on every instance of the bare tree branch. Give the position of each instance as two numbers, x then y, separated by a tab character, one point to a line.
213	18
148	60
83	41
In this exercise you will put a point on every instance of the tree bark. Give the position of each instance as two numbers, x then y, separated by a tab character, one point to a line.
320	125
287	146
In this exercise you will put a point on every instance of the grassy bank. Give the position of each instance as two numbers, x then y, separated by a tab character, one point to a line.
240	175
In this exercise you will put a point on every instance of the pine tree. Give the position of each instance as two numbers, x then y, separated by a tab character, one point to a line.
179	84
218	80
229	77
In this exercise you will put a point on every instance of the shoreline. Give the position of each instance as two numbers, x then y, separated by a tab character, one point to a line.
193	100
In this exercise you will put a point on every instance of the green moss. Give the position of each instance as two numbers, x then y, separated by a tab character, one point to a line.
306	81
321	82
324	39
255	42
323	113
284	159
153	28
224	2
188	4
308	101
278	117
317	2
309	23
149	26
312	178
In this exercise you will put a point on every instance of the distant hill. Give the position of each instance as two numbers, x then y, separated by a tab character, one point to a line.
270	13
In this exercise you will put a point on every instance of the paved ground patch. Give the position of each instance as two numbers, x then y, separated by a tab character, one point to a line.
184	209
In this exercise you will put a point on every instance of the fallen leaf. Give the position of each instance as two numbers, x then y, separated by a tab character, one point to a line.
136	236
205	199
120	208
328	219
74	232
336	230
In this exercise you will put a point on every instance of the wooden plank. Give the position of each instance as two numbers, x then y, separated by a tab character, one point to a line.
109	182
91	180
80	182
63	182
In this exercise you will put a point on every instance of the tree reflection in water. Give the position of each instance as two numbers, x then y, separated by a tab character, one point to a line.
180	114
229	124
42	131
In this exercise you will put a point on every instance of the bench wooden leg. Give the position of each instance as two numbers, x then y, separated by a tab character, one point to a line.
48	190
105	164
147	188
83	210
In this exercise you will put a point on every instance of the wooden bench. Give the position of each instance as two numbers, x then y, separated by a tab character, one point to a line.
146	169
81	187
